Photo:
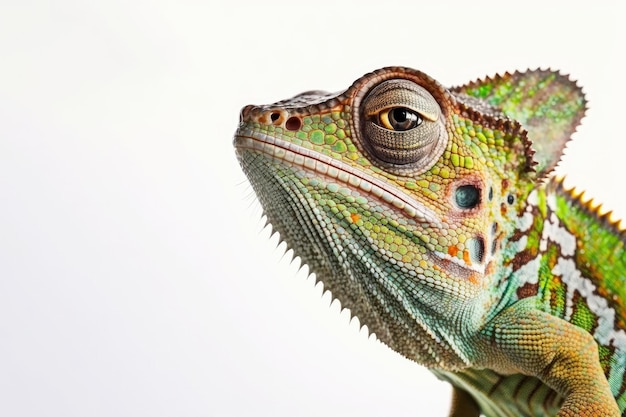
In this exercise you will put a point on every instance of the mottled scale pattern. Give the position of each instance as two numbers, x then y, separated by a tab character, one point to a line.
432	215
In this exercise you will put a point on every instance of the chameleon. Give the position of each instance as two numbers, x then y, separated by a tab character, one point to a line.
434	215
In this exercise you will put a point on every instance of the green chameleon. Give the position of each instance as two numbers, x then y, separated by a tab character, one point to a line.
430	214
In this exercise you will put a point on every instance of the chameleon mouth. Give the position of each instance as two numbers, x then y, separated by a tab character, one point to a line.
337	170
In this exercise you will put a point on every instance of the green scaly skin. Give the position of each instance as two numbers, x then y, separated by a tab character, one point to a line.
430	214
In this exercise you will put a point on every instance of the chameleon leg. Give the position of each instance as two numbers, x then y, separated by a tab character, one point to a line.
463	405
563	356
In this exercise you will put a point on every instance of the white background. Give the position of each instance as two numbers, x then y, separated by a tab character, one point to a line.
135	279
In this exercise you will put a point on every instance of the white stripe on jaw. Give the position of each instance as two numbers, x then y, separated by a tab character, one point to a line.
333	168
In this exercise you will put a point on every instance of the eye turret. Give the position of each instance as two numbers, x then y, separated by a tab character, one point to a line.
402	125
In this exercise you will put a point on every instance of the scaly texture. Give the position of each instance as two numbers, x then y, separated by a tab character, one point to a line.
430	214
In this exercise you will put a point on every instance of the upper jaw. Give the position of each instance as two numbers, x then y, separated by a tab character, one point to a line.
287	152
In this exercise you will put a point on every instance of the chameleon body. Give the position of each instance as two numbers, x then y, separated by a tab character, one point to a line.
431	214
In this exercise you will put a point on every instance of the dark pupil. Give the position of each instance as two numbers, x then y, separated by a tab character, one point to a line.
399	115
402	118
467	196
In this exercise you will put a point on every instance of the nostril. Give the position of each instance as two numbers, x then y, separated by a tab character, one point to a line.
293	123
275	116
243	115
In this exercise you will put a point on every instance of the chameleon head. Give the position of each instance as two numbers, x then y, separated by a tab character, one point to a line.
396	193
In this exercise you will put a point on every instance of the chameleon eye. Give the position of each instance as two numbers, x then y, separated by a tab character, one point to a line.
402	126
399	119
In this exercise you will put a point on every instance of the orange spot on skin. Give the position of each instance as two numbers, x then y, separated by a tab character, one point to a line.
490	269
466	257
453	250
474	279
355	217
